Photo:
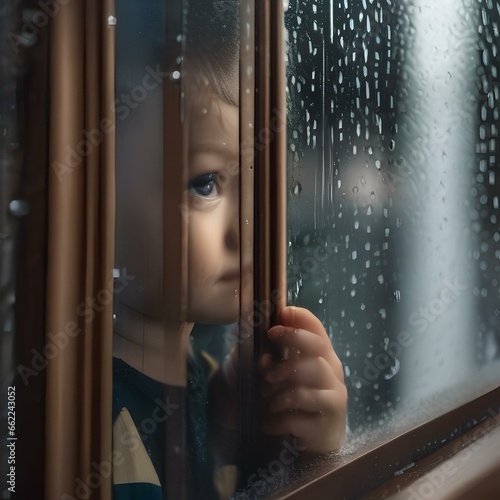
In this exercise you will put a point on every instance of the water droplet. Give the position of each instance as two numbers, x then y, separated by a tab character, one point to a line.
19	208
175	76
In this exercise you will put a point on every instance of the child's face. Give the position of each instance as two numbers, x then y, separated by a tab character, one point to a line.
213	222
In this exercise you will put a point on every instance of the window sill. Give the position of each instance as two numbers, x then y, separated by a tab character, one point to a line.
387	468
467	467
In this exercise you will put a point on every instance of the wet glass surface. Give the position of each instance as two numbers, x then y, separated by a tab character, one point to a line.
393	195
177	234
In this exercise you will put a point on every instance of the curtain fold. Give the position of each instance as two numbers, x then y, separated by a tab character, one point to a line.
80	251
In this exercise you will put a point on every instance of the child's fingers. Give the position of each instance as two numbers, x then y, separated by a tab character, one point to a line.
304	399
266	360
299	424
316	432
298	341
310	372
307	426
298	317
303	319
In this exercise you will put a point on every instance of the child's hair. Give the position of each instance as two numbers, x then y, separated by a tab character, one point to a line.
211	56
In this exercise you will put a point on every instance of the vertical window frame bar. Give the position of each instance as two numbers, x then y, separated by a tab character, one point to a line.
270	242
270	169
175	265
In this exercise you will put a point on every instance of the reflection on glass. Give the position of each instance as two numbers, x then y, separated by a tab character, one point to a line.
190	449
164	425
393	196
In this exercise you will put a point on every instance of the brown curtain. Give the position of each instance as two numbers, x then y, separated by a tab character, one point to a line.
80	251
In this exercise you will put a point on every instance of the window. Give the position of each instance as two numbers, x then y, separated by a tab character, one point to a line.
392	215
391	199
337	156
393	206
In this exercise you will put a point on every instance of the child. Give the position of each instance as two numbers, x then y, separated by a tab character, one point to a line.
304	395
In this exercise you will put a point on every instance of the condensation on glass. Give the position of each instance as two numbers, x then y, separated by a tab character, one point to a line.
393	199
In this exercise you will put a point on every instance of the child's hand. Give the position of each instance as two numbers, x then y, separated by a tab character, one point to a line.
304	390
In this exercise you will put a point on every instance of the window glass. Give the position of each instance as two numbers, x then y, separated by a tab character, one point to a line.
139	391
392	216
178	240
393	197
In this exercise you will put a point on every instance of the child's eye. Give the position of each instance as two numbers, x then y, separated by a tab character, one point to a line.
204	185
